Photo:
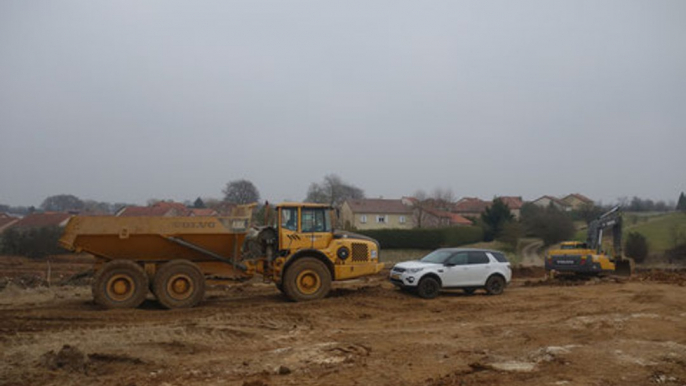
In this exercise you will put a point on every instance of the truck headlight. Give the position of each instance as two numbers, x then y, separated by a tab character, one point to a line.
374	255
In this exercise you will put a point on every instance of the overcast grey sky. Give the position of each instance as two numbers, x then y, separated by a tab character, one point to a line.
131	100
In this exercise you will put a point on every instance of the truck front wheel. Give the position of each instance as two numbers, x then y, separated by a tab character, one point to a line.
306	279
179	284
120	284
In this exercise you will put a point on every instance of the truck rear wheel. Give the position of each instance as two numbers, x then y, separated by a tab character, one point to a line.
120	284
306	279
179	284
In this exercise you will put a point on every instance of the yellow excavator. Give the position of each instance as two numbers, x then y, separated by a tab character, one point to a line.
589	258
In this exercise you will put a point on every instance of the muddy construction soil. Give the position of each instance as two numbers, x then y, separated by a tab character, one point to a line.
592	332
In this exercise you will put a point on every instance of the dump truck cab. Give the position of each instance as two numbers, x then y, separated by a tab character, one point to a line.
306	232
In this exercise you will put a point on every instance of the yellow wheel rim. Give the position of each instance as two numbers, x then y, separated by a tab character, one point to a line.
180	286
308	282
120	287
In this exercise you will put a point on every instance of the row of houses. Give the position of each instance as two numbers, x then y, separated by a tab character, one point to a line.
60	219
408	212
374	213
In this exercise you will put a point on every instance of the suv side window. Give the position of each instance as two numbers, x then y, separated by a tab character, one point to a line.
478	258
459	258
499	256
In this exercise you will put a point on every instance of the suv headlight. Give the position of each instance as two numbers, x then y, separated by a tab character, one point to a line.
413	270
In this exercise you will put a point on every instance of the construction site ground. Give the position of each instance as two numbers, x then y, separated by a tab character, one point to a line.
606	331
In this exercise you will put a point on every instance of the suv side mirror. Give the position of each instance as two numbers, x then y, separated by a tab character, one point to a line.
449	264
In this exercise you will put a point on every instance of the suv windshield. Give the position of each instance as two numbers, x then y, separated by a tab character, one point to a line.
437	257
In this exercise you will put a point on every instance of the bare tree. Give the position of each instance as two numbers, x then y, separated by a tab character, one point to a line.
241	192
333	190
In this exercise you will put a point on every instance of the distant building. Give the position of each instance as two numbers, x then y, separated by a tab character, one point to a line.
433	218
6	221
200	212
39	220
160	209
545	201
376	214
470	207
576	201
514	203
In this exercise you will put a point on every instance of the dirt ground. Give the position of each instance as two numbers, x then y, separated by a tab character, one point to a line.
568	332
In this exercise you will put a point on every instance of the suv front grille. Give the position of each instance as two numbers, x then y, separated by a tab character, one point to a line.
360	252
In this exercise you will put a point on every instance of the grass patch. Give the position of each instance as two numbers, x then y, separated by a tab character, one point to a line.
660	231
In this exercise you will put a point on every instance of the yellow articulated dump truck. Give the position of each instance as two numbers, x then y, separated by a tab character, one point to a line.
170	256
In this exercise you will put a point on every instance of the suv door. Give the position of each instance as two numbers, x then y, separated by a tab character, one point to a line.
478	268
454	271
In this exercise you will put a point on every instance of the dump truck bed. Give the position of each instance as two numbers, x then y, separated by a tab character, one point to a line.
156	238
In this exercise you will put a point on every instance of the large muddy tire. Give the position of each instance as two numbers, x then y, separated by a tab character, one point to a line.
120	284
428	288
306	279
495	285
179	284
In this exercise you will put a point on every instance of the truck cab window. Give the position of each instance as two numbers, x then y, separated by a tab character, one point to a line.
316	220
289	218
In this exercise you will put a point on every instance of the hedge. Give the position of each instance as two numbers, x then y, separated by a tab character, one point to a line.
33	242
425	238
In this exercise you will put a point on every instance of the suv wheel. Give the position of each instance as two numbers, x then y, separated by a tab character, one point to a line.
495	285
428	288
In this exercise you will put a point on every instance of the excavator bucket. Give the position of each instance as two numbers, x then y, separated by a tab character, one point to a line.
624	267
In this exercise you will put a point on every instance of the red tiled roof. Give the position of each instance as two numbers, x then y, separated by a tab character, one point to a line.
38	220
579	197
512	202
554	199
158	209
471	205
378	205
455	219
6	219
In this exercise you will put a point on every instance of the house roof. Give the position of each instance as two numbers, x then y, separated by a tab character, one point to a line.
203	212
470	205
38	220
158	209
579	197
553	199
6	220
378	205
454	218
512	202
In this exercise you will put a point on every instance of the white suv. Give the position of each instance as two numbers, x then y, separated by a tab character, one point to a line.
467	269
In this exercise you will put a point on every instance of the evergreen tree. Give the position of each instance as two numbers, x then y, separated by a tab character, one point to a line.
494	219
199	203
681	204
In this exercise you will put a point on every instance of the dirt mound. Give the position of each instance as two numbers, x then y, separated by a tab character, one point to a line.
68	359
73	360
677	276
574	280
527	272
